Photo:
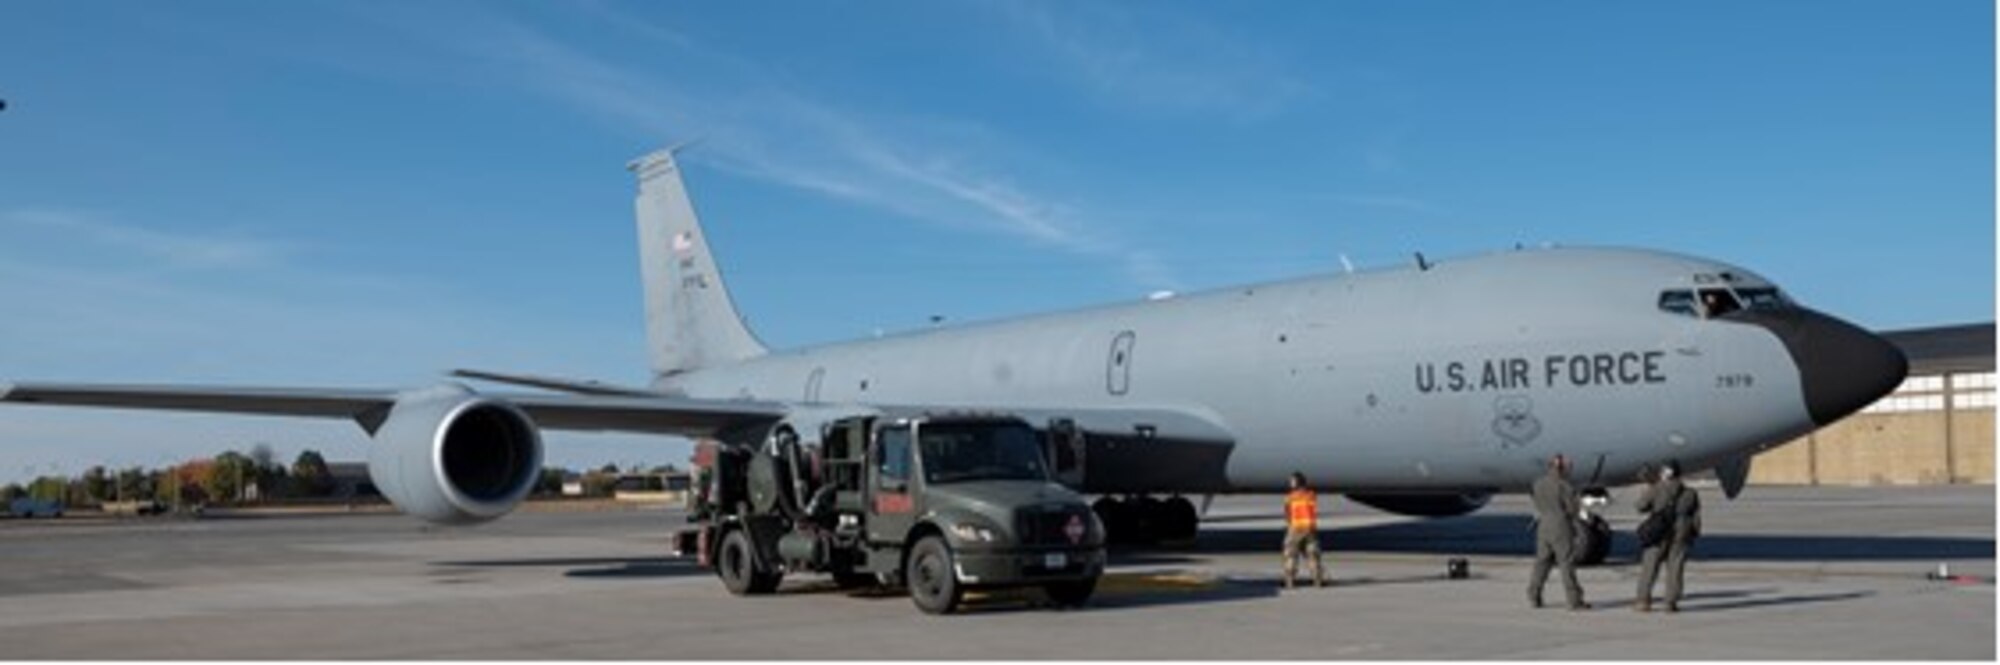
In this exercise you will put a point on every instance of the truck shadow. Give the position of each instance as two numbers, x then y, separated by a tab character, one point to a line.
1121	590
1115	590
594	567
1509	535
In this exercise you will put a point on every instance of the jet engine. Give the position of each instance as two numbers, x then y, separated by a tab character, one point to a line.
1425	505
450	456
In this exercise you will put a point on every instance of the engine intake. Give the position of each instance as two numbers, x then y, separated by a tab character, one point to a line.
449	456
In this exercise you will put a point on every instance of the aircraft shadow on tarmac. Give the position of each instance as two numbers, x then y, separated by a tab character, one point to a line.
594	567
1739	599
1509	535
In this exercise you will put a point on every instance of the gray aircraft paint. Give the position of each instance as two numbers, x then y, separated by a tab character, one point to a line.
1322	374
690	321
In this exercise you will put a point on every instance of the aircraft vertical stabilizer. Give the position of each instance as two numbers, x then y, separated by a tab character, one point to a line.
690	321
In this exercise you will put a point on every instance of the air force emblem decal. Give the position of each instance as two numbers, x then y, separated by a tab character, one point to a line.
1514	420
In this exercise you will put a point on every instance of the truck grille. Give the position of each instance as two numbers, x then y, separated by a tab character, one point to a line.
1045	526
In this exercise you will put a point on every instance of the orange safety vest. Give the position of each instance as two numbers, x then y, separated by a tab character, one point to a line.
1302	510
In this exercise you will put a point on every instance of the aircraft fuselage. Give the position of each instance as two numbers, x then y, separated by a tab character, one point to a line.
1465	376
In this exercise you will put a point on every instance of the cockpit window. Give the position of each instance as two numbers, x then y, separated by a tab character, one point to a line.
1714	302
1718	302
1678	302
1763	298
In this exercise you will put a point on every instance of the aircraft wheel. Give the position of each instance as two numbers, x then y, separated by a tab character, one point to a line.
736	564
933	583
1117	518
1149	527
1181	521
1593	542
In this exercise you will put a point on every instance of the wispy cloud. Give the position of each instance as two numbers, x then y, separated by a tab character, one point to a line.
1396	203
176	249
1158	59
915	167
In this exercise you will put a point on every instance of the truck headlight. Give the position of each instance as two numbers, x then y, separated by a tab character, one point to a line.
973	534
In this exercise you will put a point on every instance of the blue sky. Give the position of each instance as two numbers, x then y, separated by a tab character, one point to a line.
369	193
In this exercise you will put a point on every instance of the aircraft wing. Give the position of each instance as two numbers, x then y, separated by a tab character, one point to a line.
553	383
658	415
653	414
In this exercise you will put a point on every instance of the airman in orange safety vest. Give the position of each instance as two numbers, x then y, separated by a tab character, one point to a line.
1302	530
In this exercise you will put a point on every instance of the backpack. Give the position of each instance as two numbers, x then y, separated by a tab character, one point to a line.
1656	528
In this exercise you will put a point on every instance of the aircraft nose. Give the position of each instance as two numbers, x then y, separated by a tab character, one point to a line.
1842	367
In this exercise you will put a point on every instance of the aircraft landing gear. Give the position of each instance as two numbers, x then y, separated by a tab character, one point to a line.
1593	539
1145	520
1593	542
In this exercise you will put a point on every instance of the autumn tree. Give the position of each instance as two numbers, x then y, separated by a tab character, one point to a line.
310	475
551	481
273	477
228	475
133	484
599	483
49	488
95	485
182	484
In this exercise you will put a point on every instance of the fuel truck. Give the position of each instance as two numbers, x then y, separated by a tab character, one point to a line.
937	503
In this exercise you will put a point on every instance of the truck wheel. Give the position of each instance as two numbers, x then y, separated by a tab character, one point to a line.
1073	593
736	564
932	577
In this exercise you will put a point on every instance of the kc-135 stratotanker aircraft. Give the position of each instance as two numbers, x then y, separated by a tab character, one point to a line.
1420	390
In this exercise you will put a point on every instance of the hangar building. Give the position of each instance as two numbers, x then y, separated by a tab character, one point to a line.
1936	428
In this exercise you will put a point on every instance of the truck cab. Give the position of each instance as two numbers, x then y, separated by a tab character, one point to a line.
937	502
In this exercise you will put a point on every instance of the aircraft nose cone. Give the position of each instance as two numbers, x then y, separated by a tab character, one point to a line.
1842	367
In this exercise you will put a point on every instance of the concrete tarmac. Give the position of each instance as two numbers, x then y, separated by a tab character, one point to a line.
1784	573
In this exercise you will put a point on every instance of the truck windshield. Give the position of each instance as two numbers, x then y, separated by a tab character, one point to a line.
980	451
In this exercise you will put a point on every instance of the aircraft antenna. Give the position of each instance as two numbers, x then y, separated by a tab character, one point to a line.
1346	264
1421	263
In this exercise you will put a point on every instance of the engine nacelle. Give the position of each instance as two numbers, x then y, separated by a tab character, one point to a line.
1425	505
450	456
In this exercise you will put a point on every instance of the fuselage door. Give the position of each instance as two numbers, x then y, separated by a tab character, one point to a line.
813	382
1686	362
1118	368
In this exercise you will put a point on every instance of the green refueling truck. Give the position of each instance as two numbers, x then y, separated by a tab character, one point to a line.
936	502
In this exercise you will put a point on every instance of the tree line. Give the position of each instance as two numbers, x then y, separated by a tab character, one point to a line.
231	477
235	477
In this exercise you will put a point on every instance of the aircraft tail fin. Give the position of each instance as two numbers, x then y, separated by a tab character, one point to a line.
690	321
